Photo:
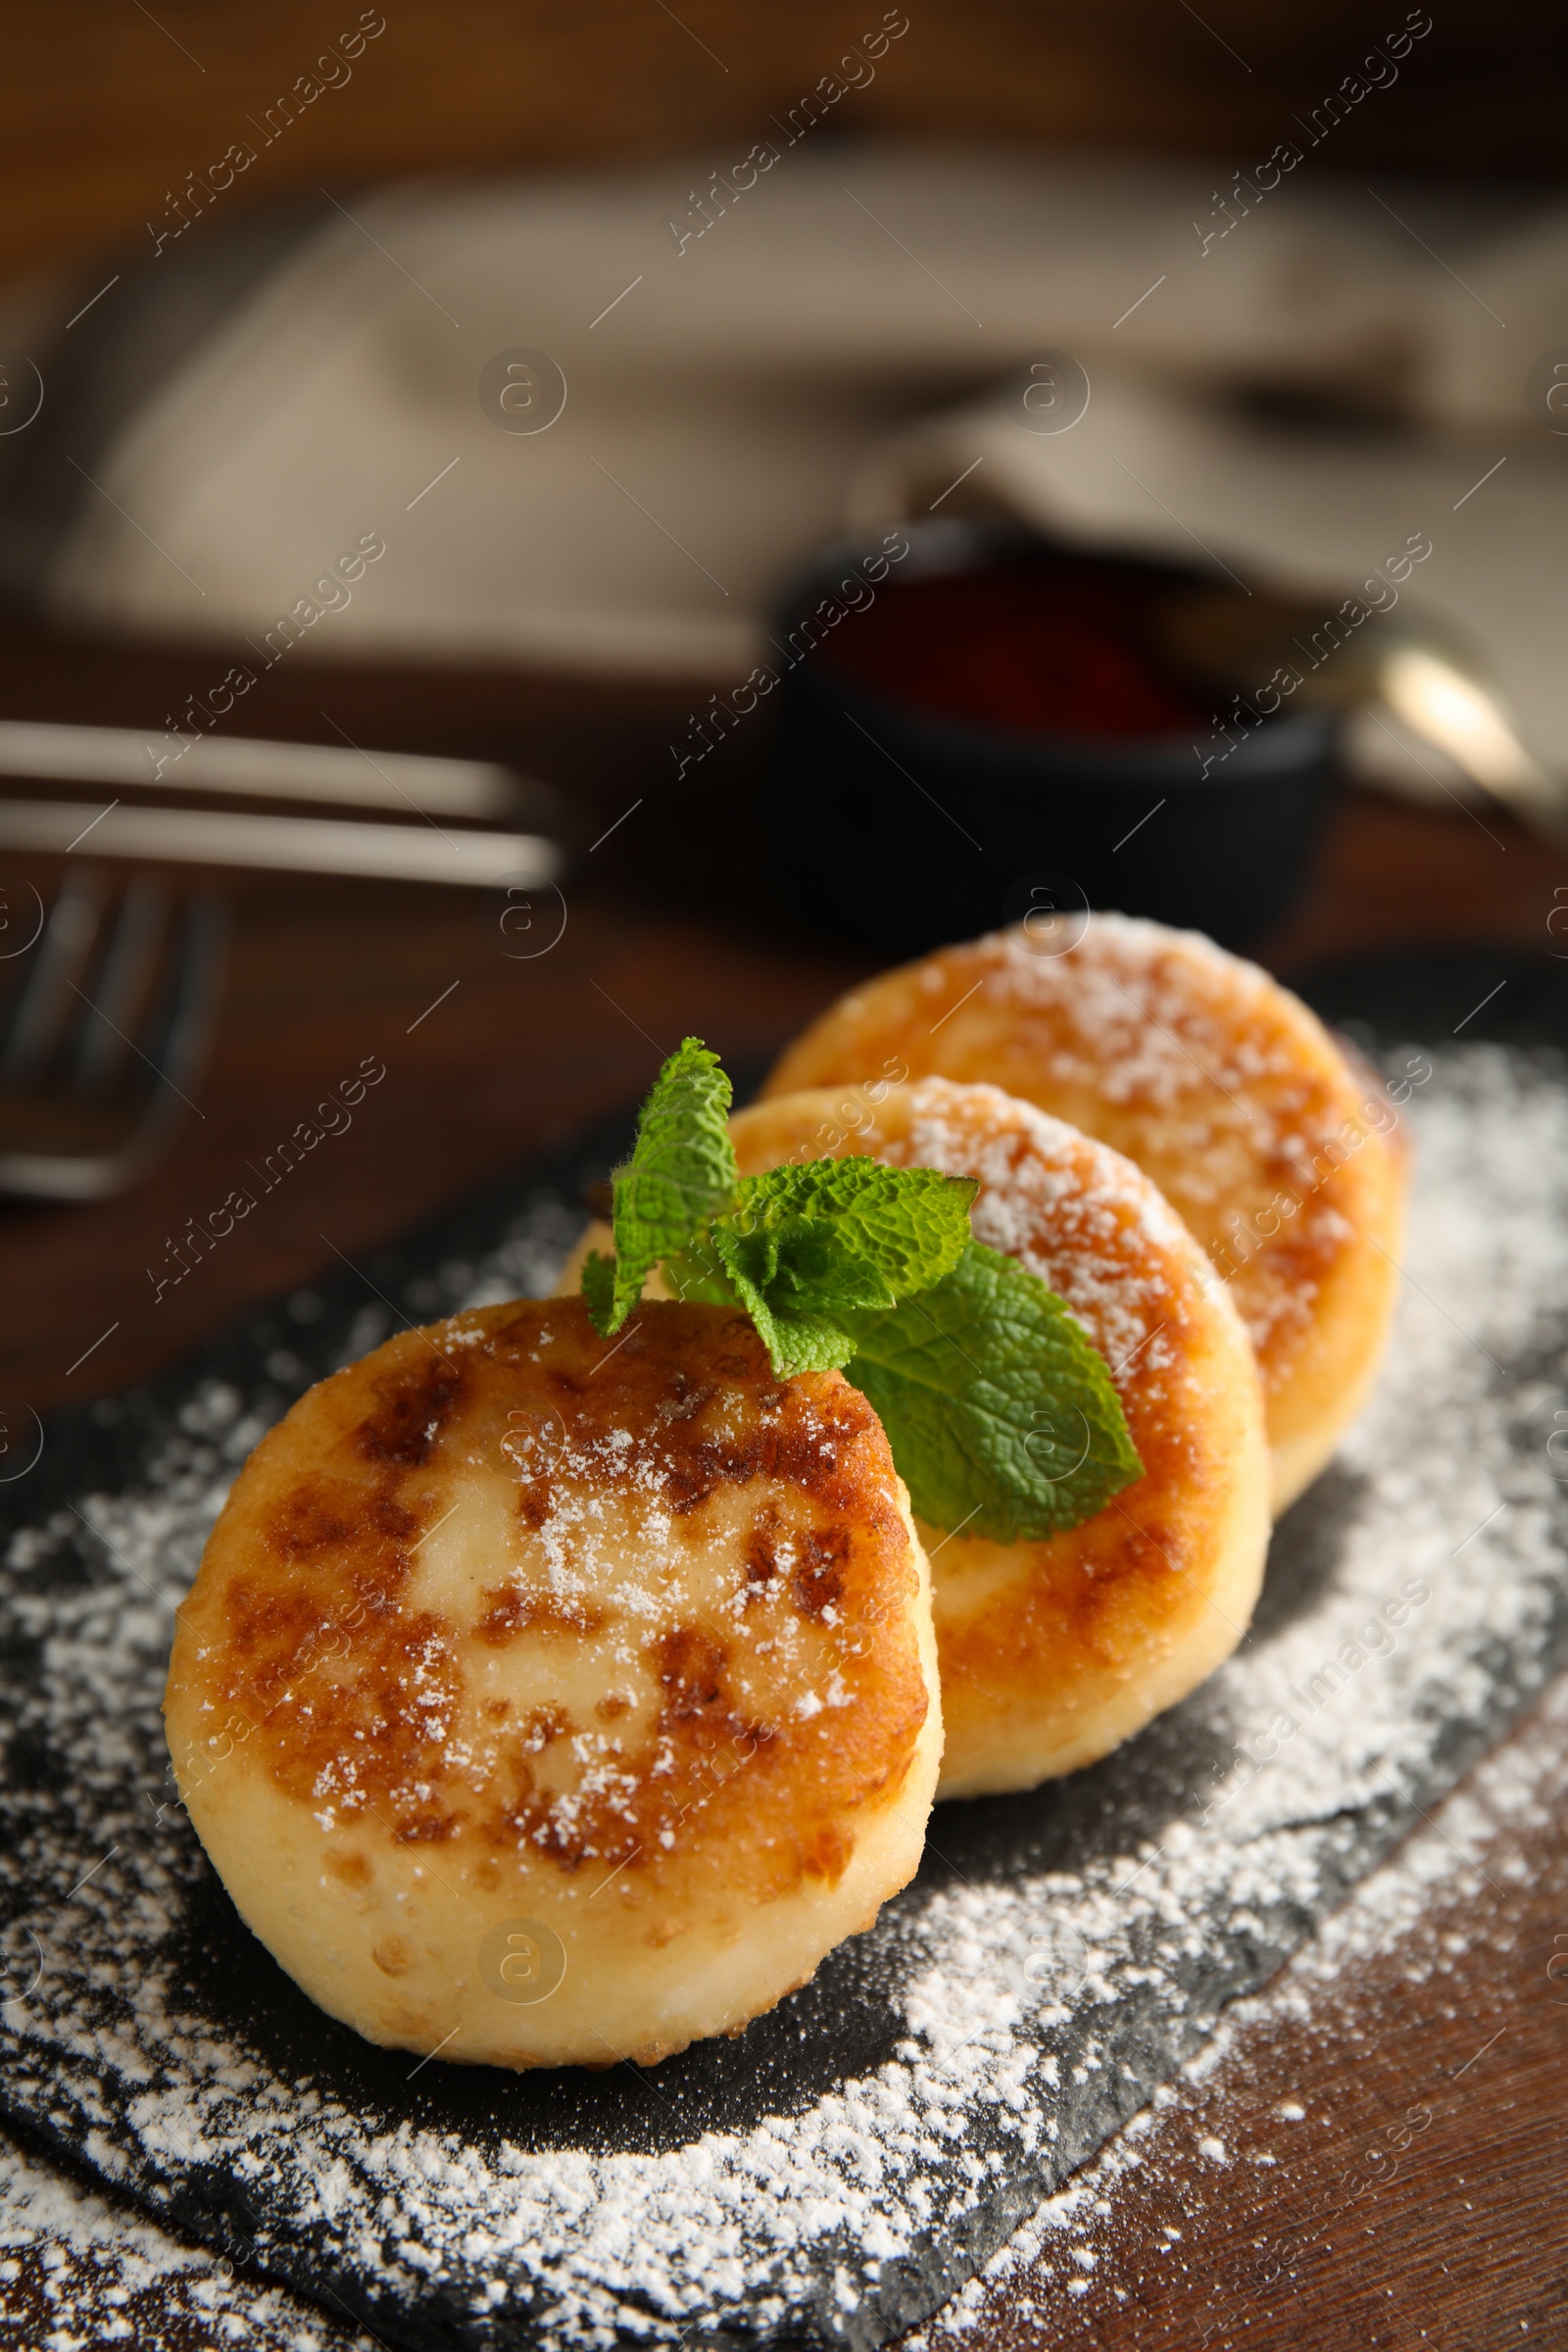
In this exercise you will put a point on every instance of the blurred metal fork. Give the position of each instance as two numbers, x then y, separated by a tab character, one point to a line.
104	1029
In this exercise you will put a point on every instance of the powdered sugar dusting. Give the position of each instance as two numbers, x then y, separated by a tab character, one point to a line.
1148	1014
1036	2000
93	2273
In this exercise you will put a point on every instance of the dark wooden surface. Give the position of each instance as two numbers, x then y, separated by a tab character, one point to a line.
106	108
1462	2245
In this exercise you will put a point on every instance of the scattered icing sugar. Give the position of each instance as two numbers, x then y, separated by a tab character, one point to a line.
1028	1999
1148	1014
77	2269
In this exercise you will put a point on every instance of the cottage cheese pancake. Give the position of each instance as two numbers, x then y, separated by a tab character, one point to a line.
1053	1652
1281	1158
548	1699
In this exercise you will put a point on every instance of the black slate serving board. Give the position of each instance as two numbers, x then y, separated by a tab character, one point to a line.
834	2174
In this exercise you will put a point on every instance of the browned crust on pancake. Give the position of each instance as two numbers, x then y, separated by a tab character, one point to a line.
304	1642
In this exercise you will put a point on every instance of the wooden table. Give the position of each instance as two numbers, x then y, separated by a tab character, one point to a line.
487	1058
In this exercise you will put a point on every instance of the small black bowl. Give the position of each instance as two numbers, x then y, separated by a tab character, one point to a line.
901	827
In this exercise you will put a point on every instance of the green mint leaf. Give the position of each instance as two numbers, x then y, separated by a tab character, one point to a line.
809	1244
1002	1418
803	1343
801	1266
681	1172
913	1224
793	1279
696	1276
599	1291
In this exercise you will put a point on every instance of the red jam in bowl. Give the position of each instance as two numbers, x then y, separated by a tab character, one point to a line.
1036	648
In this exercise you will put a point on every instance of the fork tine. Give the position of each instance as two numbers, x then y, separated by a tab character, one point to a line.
168	1011
47	996
120	989
176	1032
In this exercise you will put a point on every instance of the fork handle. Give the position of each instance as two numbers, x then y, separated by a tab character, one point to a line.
303	845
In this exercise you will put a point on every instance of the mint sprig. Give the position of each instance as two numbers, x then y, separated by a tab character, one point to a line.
809	1246
908	1223
1001	1416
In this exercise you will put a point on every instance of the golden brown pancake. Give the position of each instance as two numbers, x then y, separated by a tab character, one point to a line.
552	1700
1281	1158
1054	1652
